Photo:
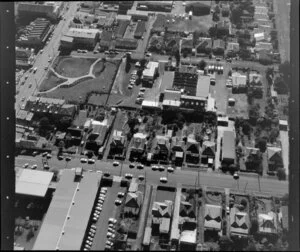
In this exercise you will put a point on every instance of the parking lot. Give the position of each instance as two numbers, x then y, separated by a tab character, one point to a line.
108	210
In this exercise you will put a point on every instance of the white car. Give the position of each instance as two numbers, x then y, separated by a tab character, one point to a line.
97	212
93	227
104	189
161	168
101	198
141	177
100	201
128	176
112	230
130	86
99	209
112	221
163	180
83	160
154	168
89	243
111	225
140	166
116	163
34	167
41	51
134	72
118	202
109	243
110	235
91	161
121	194
26	165
170	169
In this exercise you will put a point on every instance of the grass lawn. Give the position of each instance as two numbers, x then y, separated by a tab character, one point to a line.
73	67
50	81
98	69
98	99
101	84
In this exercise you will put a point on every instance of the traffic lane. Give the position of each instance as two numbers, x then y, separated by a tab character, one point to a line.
108	211
185	177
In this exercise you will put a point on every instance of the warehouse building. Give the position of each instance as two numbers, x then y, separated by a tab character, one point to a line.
83	38
163	6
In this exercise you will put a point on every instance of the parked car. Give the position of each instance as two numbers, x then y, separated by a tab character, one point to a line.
131	165
128	176
121	194
170	169
83	160
154	167
130	86
116	163
140	166
91	161
112	221
163	180
141	177
68	159
161	168
26	165
106	174
33	167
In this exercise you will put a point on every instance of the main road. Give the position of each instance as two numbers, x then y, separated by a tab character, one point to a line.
30	86
217	180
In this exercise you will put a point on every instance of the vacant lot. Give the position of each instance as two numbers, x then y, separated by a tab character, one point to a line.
241	106
101	84
73	67
50	81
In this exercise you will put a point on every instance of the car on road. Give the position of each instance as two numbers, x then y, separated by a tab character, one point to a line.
128	176
49	156
121	194
49	60
104	189
34	70
116	163
148	54
106	174
141	177
140	166
68	159
91	161
99	209
26	165
26	76
170	169
46	67
163	180
44	154
30	85
139	100
41	51
142	89
154	167
110	235
161	168
218	59
83	160
33	167
118	202
131	165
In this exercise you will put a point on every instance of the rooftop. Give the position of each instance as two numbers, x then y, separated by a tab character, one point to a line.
150	69
189	236
239	222
212	217
203	85
32	182
65	224
82	33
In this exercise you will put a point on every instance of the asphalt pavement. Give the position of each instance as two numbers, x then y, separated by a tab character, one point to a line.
185	177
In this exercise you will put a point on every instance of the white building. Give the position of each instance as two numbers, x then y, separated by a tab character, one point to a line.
150	72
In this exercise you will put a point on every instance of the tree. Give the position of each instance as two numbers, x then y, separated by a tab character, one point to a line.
261	143
236	14
177	57
246	128
281	174
212	31
202	65
217	9
64	123
215	17
244	54
254	227
225	243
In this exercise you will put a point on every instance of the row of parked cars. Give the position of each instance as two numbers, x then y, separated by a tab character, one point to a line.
111	233
96	214
132	80
215	68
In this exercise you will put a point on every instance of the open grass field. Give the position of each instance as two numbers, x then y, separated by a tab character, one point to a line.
50	81
73	67
98	99
100	84
98	69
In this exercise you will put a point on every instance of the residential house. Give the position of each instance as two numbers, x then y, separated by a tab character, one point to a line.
133	203
233	47
238	80
274	158
161	148
161	210
138	143
187	211
225	25
218	47
192	154
117	144
239	222
204	45
187	45
267	223
97	136
178	150
213	217
253	159
208	152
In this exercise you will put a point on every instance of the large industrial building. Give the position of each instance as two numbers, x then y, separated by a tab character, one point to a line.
83	38
65	224
164	6
51	10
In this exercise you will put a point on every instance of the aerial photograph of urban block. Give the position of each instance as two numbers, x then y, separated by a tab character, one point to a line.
152	125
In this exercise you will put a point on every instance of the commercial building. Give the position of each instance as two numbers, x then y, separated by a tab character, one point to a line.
50	106
36	33
32	182
51	10
107	20
163	6
24	57
83	38
65	224
137	15
149	73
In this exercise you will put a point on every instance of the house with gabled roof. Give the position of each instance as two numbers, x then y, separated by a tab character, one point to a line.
239	222
187	210
178	149
274	158
204	45
133	203
161	210
213	217
138	143
267	223
161	148
192	154
208	152
117	144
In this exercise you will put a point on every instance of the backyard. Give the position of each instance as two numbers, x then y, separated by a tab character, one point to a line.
73	67
101	84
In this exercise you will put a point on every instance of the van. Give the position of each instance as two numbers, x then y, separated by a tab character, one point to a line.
35	69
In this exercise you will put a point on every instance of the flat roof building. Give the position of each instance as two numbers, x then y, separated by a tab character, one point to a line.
65	223
32	182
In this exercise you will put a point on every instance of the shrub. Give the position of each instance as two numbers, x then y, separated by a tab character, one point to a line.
244	202
281	174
